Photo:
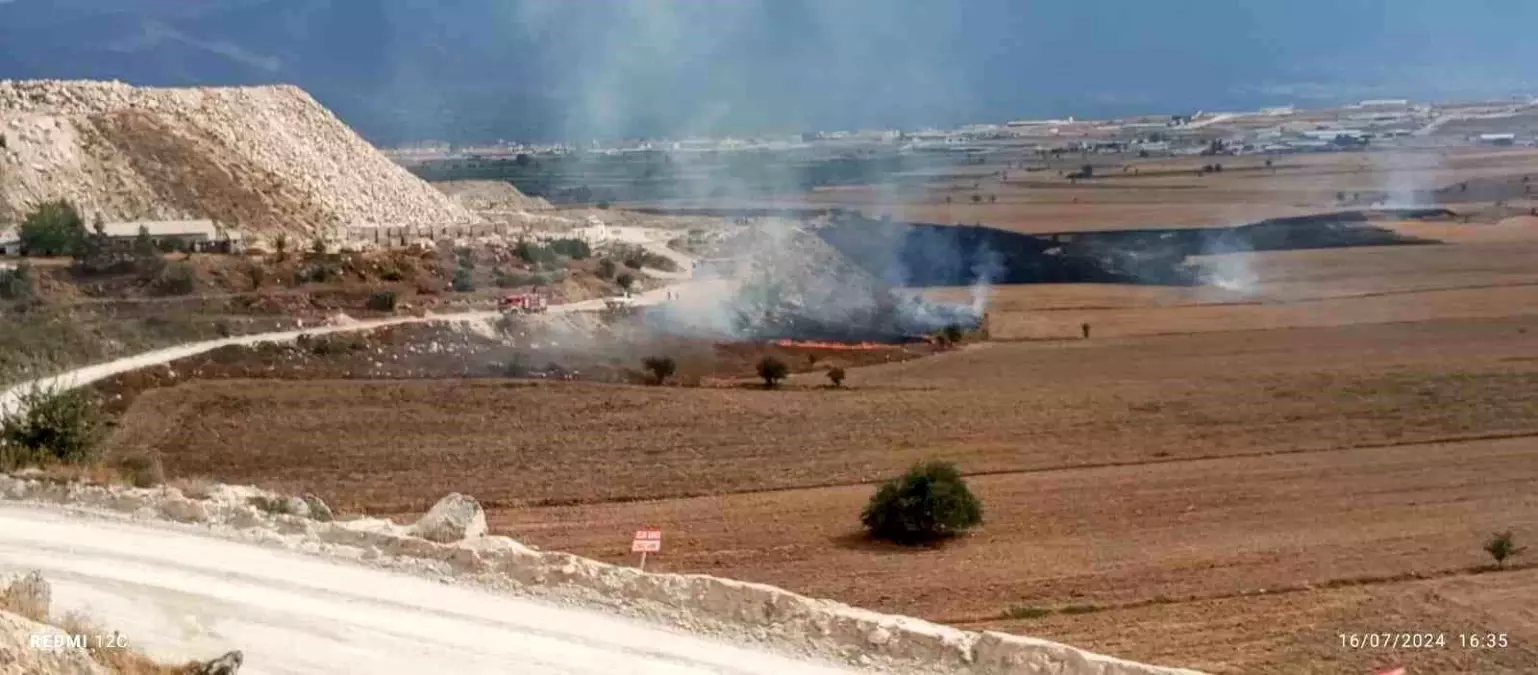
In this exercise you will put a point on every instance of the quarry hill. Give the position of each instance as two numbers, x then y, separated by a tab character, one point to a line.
263	160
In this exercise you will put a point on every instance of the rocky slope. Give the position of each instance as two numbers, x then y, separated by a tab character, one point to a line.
263	160
490	195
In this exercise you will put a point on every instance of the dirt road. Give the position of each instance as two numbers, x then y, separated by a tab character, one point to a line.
10	398
178	594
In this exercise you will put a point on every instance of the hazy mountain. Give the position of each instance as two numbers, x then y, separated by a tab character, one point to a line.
539	69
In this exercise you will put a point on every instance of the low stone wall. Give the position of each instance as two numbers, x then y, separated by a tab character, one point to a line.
735	610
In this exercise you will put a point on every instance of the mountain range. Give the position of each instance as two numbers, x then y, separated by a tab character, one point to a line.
468	70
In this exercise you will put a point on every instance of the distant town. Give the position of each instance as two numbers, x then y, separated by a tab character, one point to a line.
1284	129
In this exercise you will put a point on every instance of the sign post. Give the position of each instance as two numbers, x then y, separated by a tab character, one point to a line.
646	541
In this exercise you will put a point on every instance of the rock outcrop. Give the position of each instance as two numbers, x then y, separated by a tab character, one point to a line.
229	664
20	638
454	518
262	160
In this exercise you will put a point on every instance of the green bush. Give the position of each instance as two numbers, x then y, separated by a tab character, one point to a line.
53	426
953	333
463	282
53	229
928	503
625	280
661	368
576	249
16	283
772	370
1501	546
175	279
382	301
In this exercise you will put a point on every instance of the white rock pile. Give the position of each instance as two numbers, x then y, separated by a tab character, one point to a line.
459	550
262	159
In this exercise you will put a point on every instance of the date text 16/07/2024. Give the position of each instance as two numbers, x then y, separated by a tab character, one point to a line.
1412	640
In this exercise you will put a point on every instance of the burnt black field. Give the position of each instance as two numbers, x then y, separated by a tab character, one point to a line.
922	254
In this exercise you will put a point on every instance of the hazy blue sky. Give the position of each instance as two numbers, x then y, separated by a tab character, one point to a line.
541	69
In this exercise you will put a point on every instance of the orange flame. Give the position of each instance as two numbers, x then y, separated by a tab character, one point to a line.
827	345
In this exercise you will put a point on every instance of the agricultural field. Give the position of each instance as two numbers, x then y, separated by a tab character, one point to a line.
1128	192
1222	478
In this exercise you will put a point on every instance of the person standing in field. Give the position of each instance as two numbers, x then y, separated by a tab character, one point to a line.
1084	327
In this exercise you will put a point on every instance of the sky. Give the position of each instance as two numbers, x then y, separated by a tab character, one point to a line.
574	69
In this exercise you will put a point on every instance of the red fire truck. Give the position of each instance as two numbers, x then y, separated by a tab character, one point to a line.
524	303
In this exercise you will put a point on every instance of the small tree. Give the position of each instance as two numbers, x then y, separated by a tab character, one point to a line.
382	301
625	280
836	376
280	245
606	268
661	367
772	370
953	333
52	425
1501	546
928	503
16	283
318	246
463	283
176	279
54	228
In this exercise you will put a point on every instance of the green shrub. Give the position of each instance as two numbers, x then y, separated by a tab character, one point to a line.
316	272
16	283
928	503
625	280
1501	546
661	368
53	425
772	370
382	301
463	282
175	279
573	248
53	229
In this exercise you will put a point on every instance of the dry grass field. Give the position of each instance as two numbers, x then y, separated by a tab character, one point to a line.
1216	479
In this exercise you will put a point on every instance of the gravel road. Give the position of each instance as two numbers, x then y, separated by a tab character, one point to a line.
179	594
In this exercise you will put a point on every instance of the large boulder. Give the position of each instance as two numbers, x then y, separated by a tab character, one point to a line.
454	518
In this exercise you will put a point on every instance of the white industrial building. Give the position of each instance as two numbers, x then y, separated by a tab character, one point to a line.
10	242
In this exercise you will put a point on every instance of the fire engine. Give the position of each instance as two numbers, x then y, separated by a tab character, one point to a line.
523	303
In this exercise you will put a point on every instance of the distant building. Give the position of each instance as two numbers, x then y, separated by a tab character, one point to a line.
1498	139
191	235
10	242
1384	103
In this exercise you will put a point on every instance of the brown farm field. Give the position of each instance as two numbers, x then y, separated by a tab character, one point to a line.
1218	479
1128	192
